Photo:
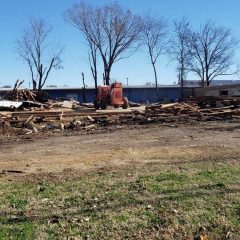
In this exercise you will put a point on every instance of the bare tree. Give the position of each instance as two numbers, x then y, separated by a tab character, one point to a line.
83	12
155	38
110	28
213	51
180	49
40	56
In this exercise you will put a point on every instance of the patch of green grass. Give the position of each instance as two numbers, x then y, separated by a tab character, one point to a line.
174	177
136	204
122	218
17	202
20	231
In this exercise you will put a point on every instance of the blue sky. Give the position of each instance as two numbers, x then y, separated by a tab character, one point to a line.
15	14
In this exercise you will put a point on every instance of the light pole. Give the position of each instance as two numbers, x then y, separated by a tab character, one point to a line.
127	81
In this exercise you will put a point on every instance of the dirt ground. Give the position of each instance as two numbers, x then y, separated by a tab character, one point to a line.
169	145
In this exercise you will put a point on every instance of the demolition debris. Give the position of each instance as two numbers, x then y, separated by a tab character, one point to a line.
27	112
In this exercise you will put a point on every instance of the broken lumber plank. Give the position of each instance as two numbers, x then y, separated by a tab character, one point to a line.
191	107
168	105
161	106
219	113
29	119
11	171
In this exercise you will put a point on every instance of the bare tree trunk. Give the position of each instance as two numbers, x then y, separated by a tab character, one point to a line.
40	78
203	79
34	85
181	82
94	73
84	88
104	80
92	57
107	79
207	77
95	77
156	80
107	75
96	85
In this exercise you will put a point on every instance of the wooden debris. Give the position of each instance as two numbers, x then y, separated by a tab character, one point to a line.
11	171
45	117
90	118
188	109
29	119
133	104
18	94
21	95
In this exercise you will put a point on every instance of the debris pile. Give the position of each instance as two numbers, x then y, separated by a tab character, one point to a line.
18	94
87	119
24	99
218	101
28	122
21	95
191	110
27	100
26	112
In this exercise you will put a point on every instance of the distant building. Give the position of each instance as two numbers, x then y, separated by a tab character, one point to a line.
147	93
198	83
230	90
137	93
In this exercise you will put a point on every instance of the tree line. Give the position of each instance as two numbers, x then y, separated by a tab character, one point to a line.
113	33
